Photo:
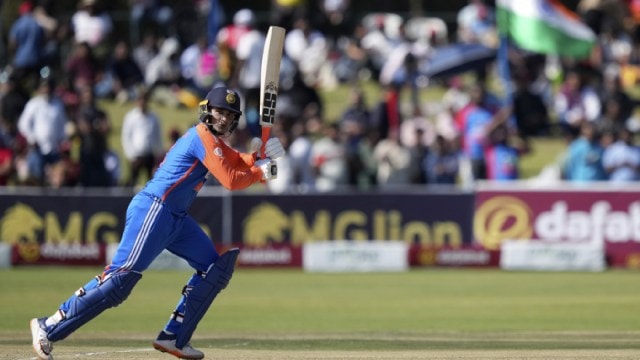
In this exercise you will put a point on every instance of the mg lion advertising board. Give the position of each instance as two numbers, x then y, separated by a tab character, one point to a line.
566	215
426	219
64	227
436	226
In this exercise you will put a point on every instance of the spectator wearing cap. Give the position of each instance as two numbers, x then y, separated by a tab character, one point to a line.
26	42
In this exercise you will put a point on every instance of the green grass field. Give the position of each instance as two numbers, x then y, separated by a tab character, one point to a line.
420	314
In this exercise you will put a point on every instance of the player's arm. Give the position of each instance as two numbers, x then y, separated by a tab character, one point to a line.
248	159
233	170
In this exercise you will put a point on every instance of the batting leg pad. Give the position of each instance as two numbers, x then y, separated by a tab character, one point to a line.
87	305
203	294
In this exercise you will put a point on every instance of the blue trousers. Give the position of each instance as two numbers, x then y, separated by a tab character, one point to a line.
151	227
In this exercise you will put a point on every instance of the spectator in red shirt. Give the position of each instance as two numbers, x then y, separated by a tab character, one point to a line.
243	22
6	163
82	67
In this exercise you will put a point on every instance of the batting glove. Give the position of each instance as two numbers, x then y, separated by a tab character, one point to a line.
269	169
274	148
255	144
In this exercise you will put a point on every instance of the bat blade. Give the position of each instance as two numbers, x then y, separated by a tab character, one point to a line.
270	80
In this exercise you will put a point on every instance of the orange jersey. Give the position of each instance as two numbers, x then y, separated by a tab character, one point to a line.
192	158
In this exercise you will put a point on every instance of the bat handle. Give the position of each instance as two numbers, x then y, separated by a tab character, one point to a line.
266	133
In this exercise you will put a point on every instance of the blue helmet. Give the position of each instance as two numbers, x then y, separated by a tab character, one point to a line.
221	98
224	98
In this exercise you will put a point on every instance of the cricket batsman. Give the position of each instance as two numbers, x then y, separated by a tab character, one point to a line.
157	219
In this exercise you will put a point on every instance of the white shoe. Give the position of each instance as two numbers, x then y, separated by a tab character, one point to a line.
169	346
41	343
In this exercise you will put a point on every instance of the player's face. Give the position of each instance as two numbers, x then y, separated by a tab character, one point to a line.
222	120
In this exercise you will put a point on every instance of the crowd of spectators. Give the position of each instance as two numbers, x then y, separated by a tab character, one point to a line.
54	133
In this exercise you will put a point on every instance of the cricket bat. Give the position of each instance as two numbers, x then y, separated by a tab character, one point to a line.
269	81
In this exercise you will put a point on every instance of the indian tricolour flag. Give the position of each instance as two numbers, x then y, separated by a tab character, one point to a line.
544	26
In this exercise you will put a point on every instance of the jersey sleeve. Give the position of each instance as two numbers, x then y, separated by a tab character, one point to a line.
234	170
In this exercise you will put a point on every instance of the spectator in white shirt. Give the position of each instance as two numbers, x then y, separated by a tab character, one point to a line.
141	139
307	48
299	154
477	23
164	68
92	26
328	160
394	161
42	123
621	159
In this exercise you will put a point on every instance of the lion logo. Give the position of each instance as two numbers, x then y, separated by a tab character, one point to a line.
20	224
265	223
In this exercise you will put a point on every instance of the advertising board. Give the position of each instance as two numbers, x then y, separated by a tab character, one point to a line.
565	215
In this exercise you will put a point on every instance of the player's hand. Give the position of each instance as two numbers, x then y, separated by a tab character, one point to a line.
255	145
269	169
273	149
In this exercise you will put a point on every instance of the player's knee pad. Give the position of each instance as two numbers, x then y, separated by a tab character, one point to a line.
202	295
87	305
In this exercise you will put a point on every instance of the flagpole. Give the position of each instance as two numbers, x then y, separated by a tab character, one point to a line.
503	68
504	72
